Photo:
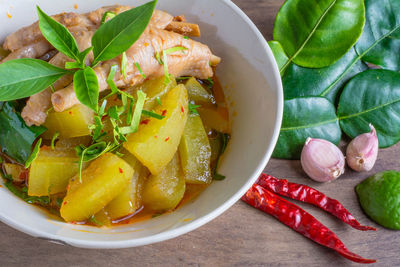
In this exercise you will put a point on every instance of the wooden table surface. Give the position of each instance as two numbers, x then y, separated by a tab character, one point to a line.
242	236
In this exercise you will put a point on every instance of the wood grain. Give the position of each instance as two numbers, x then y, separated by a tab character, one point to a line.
242	236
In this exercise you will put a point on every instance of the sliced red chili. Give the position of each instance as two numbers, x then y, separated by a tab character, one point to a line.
145	121
166	139
120	170
299	220
164	112
312	196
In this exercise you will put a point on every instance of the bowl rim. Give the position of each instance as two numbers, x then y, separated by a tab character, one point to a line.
169	234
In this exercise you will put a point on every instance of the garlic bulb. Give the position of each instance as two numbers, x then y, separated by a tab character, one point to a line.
322	160
362	151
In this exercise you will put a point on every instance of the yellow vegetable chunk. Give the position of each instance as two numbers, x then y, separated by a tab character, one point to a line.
155	88
104	179
73	122
197	92
164	191
71	143
156	141
195	152
129	200
215	118
51	171
15	171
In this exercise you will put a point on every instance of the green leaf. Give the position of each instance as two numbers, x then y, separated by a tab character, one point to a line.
16	138
24	77
86	87
124	63
373	97
279	54
317	33
120	33
306	117
34	154
193	109
380	41
58	35
152	114
299	81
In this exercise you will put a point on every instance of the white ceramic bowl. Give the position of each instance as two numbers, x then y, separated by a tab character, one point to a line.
251	81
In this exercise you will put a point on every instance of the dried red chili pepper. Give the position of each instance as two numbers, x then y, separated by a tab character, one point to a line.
312	196
299	220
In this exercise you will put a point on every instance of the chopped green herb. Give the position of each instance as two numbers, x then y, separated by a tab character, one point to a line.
140	70
34	154
156	215
166	52
152	114
124	63
55	136
158	58
113	87
92	152
186	37
107	15
193	108
95	221
158	100
141	98
1	160
52	88
183	78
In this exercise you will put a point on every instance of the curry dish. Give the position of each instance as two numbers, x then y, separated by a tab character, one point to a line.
153	138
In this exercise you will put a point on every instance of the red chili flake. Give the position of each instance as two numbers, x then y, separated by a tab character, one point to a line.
76	6
1	186
146	44
146	121
120	170
67	187
24	174
166	139
70	112
182	110
65	203
164	112
155	136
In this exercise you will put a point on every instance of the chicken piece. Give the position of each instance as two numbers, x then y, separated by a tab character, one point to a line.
90	21
195	61
35	110
188	29
34	50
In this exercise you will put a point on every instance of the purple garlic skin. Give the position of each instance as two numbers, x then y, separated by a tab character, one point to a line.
322	160
362	151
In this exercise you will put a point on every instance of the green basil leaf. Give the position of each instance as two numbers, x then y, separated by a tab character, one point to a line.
317	33
279	54
373	97
24	77
16	138
58	35
120	33
86	87
299	81
380	41
306	117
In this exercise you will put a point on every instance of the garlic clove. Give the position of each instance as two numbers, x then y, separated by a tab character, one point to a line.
322	160
362	151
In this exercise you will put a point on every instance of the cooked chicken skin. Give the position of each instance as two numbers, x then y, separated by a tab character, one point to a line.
34	50
195	61
30	34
